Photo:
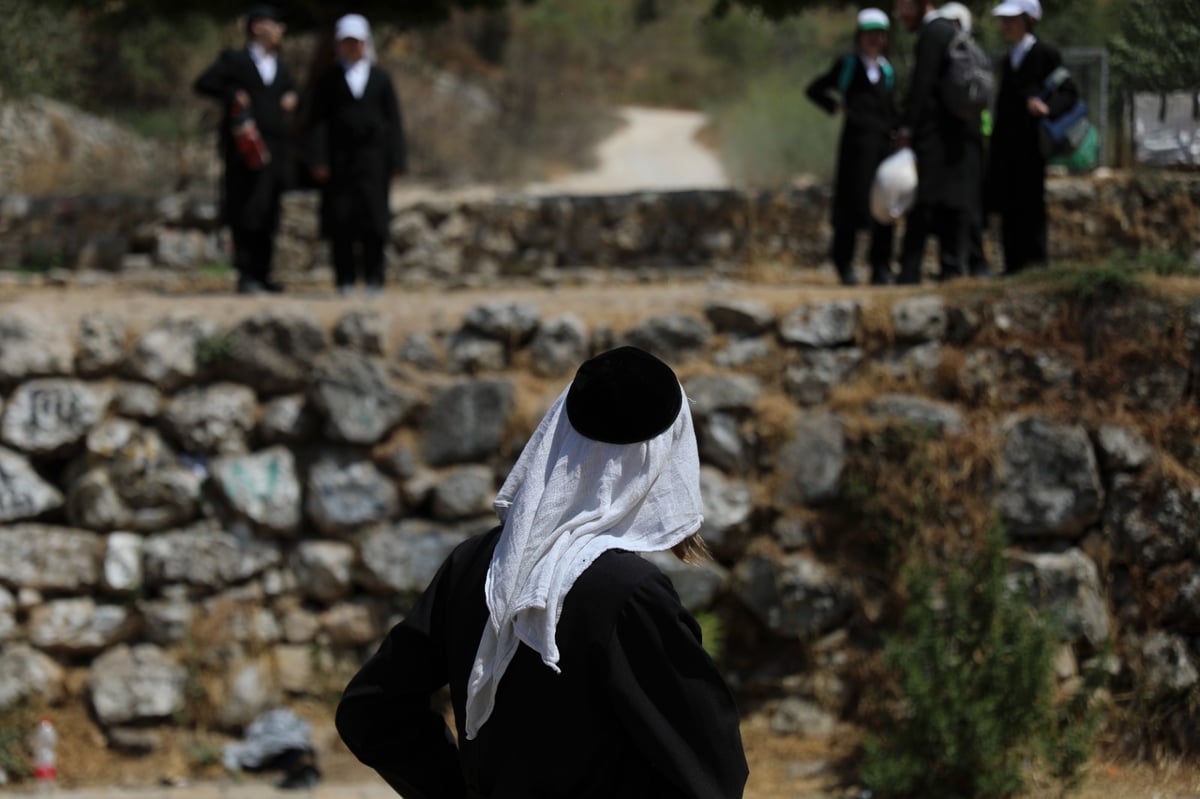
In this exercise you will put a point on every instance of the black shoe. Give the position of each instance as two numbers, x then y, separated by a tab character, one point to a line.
248	285
272	287
847	277
882	277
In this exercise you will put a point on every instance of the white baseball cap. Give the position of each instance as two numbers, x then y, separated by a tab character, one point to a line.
1015	8
352	26
872	19
957	12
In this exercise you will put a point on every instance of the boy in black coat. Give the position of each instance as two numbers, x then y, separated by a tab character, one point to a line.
356	148
254	81
574	671
1016	185
860	85
948	169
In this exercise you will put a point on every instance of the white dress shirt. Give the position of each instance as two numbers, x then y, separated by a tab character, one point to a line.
357	75
1020	50
266	63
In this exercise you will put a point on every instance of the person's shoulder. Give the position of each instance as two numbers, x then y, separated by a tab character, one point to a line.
617	574
1045	50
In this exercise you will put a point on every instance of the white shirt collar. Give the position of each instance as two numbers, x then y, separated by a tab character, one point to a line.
266	63
873	66
1020	50
357	75
931	15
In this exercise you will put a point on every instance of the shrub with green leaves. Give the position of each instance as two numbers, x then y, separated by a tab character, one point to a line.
976	691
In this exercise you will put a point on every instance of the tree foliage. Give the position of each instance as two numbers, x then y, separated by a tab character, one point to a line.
301	13
1156	49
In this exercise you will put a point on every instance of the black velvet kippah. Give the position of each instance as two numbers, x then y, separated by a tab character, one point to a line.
623	396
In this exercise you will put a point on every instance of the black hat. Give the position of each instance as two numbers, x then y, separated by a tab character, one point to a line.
257	12
623	396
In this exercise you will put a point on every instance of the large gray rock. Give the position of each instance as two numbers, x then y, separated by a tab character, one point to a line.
45	558
362	330
466	422
1123	449
1048	479
8	615
1153	521
673	337
723	443
794	596
166	621
728	504
403	558
206	557
731	393
346	493
33	345
137	400
121	571
559	346
743	317
823	324
356	397
350	624
324	569
273	351
1167	665
167	354
101	344
287	420
940	417
471	352
262	488
79	626
136	684
464	493
45	417
28	675
810	464
811	380
23	493
510	322
134	482
212	419
1067	586
920	318
248	690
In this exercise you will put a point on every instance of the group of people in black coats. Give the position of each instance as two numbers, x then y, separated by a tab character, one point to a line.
347	138
957	184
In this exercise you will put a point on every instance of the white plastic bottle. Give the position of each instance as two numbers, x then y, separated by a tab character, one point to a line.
43	742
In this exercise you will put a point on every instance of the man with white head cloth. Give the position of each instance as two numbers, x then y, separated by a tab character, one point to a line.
356	147
573	669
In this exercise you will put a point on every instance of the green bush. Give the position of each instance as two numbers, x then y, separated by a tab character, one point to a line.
973	661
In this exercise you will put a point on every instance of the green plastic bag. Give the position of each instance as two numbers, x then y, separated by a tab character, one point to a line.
1085	157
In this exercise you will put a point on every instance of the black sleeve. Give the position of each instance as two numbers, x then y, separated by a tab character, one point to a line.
818	91
670	698
931	52
220	80
1067	93
385	716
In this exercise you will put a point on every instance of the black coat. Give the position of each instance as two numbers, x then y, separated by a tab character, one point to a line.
1016	167
250	198
947	168
361	142
638	709
866	139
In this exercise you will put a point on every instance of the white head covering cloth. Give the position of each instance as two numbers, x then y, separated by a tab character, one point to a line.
568	500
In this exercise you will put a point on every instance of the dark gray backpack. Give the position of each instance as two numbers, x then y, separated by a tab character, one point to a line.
969	83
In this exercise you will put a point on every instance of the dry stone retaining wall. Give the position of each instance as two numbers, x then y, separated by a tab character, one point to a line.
513	236
248	508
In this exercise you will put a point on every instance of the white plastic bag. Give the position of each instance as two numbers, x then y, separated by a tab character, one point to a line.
895	186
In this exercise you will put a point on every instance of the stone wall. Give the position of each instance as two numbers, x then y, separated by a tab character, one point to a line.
457	239
205	521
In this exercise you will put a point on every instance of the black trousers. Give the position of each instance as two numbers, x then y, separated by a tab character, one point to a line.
949	225
879	254
252	253
1023	234
355	256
